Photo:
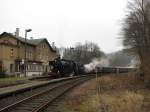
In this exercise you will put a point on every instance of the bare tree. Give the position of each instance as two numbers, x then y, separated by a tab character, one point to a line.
136	31
83	52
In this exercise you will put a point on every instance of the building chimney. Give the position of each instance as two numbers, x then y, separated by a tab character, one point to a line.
17	32
53	44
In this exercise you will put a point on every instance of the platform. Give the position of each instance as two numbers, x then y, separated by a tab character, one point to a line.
12	90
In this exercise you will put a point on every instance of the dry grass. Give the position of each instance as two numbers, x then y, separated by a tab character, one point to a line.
123	102
118	93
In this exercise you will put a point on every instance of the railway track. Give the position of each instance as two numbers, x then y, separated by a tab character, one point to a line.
15	97
39	102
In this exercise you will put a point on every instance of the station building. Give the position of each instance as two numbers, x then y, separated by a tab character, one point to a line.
12	54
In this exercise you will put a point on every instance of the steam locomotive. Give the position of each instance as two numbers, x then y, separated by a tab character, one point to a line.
63	67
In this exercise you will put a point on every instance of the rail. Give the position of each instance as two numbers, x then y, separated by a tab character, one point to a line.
38	102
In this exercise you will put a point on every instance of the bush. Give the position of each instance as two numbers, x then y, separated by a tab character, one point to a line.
2	73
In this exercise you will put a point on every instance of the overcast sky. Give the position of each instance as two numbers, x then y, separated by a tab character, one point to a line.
66	22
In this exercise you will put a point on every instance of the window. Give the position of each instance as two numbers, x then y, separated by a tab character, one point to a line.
43	45
30	55
46	67
34	67
47	57
11	52
5	41
0	65
27	67
30	67
40	56
11	67
18	43
39	67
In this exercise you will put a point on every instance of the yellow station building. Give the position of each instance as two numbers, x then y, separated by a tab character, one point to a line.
12	54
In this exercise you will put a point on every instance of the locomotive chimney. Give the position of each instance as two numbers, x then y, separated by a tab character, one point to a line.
17	32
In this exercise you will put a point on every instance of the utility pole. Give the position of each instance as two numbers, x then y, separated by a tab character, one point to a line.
98	73
25	57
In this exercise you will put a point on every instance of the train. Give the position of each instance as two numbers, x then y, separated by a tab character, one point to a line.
63	68
110	69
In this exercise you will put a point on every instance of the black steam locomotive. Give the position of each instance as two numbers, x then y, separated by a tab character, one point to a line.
63	67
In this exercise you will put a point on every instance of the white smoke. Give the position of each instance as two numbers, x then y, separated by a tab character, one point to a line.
97	62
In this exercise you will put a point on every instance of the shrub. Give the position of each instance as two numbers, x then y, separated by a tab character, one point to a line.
2	73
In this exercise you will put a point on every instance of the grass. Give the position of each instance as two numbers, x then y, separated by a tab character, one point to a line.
12	79
118	93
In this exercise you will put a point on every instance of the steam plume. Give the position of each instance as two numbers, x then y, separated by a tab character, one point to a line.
97	62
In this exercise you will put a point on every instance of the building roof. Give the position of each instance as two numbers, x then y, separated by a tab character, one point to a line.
33	42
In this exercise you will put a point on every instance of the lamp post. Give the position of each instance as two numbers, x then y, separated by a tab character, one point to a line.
25	57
